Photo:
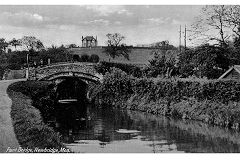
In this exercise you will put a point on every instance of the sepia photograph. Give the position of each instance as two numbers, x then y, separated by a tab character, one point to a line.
119	79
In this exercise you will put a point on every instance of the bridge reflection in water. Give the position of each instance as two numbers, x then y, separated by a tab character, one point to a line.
71	99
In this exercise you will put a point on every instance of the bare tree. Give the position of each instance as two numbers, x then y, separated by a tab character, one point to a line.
114	39
233	18
211	25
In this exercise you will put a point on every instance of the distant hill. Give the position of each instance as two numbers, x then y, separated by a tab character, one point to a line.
137	55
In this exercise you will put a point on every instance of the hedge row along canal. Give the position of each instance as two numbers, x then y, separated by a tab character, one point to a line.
213	102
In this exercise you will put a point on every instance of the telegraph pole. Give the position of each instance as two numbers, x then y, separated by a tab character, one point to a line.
27	73
180	38
185	38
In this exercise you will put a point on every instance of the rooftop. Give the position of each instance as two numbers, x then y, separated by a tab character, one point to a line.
89	38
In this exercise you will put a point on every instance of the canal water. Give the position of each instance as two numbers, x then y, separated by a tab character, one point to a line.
98	130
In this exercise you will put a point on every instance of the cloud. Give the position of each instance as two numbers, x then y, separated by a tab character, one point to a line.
67	27
162	20
176	22
117	22
97	22
109	9
156	21
37	17
23	16
22	19
62	27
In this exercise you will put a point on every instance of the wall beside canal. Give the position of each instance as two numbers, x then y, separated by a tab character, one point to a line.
213	102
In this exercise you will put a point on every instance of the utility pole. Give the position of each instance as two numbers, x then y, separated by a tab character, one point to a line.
185	38
27	73
180	38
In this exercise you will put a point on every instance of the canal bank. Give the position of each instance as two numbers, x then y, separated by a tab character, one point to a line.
121	91
30	129
7	135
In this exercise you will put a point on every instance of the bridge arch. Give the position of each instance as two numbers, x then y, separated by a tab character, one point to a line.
82	70
70	76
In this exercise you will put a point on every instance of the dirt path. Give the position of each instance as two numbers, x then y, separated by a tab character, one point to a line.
7	135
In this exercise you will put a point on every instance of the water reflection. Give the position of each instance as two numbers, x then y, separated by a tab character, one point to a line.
113	130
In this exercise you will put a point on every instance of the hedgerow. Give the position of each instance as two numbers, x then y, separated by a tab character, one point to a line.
41	93
28	123
214	102
131	69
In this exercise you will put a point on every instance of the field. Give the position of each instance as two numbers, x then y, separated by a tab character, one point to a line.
136	56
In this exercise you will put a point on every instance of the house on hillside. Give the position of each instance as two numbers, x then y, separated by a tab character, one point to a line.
233	73
89	41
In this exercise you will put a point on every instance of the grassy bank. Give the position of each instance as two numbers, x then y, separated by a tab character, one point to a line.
137	55
29	127
213	102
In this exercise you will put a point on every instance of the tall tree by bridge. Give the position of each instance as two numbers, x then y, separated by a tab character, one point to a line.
31	43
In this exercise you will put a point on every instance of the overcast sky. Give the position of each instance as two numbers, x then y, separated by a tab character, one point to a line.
67	24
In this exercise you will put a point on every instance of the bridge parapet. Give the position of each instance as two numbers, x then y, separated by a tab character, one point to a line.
39	73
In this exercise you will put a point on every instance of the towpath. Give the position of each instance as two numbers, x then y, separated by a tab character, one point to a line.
7	135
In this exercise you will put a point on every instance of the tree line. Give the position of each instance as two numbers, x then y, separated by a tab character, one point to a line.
30	45
215	36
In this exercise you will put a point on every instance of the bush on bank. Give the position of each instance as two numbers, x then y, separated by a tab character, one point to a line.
131	69
118	83
41	93
115	81
29	127
214	102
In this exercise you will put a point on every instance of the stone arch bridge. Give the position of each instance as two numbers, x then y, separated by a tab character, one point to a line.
83	71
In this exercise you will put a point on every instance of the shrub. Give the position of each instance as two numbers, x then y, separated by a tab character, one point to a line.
41	92
130	69
1	72
94	58
116	87
85	58
213	102
14	66
76	58
171	90
29	127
